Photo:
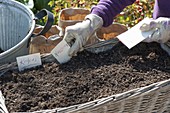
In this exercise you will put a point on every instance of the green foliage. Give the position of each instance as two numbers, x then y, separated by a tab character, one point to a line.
130	16
133	14
40	4
61	4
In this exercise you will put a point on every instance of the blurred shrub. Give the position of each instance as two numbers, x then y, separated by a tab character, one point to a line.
134	13
61	4
130	16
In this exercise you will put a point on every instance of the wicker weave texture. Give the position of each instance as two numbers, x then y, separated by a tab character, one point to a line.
154	98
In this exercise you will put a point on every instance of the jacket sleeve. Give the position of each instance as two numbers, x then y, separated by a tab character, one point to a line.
108	9
161	9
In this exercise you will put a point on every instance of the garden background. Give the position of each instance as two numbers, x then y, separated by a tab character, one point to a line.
130	16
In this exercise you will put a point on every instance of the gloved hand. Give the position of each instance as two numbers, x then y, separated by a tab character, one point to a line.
161	30
78	34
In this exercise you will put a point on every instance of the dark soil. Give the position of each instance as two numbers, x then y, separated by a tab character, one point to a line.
85	78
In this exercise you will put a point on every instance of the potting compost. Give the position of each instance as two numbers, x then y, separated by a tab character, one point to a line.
85	77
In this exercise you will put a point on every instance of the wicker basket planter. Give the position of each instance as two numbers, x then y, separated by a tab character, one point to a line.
154	98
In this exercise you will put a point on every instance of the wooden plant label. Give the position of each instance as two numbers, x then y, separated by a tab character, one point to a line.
60	52
29	61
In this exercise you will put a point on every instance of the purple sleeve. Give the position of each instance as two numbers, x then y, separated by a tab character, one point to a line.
108	9
161	9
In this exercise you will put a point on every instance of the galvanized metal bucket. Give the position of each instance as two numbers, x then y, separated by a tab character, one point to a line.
17	26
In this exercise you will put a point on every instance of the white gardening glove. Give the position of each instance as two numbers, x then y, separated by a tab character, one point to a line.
78	34
161	30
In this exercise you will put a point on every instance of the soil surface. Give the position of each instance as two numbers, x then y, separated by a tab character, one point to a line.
85	78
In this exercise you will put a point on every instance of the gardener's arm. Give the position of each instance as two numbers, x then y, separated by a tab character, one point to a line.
161	9
108	9
160	24
101	15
